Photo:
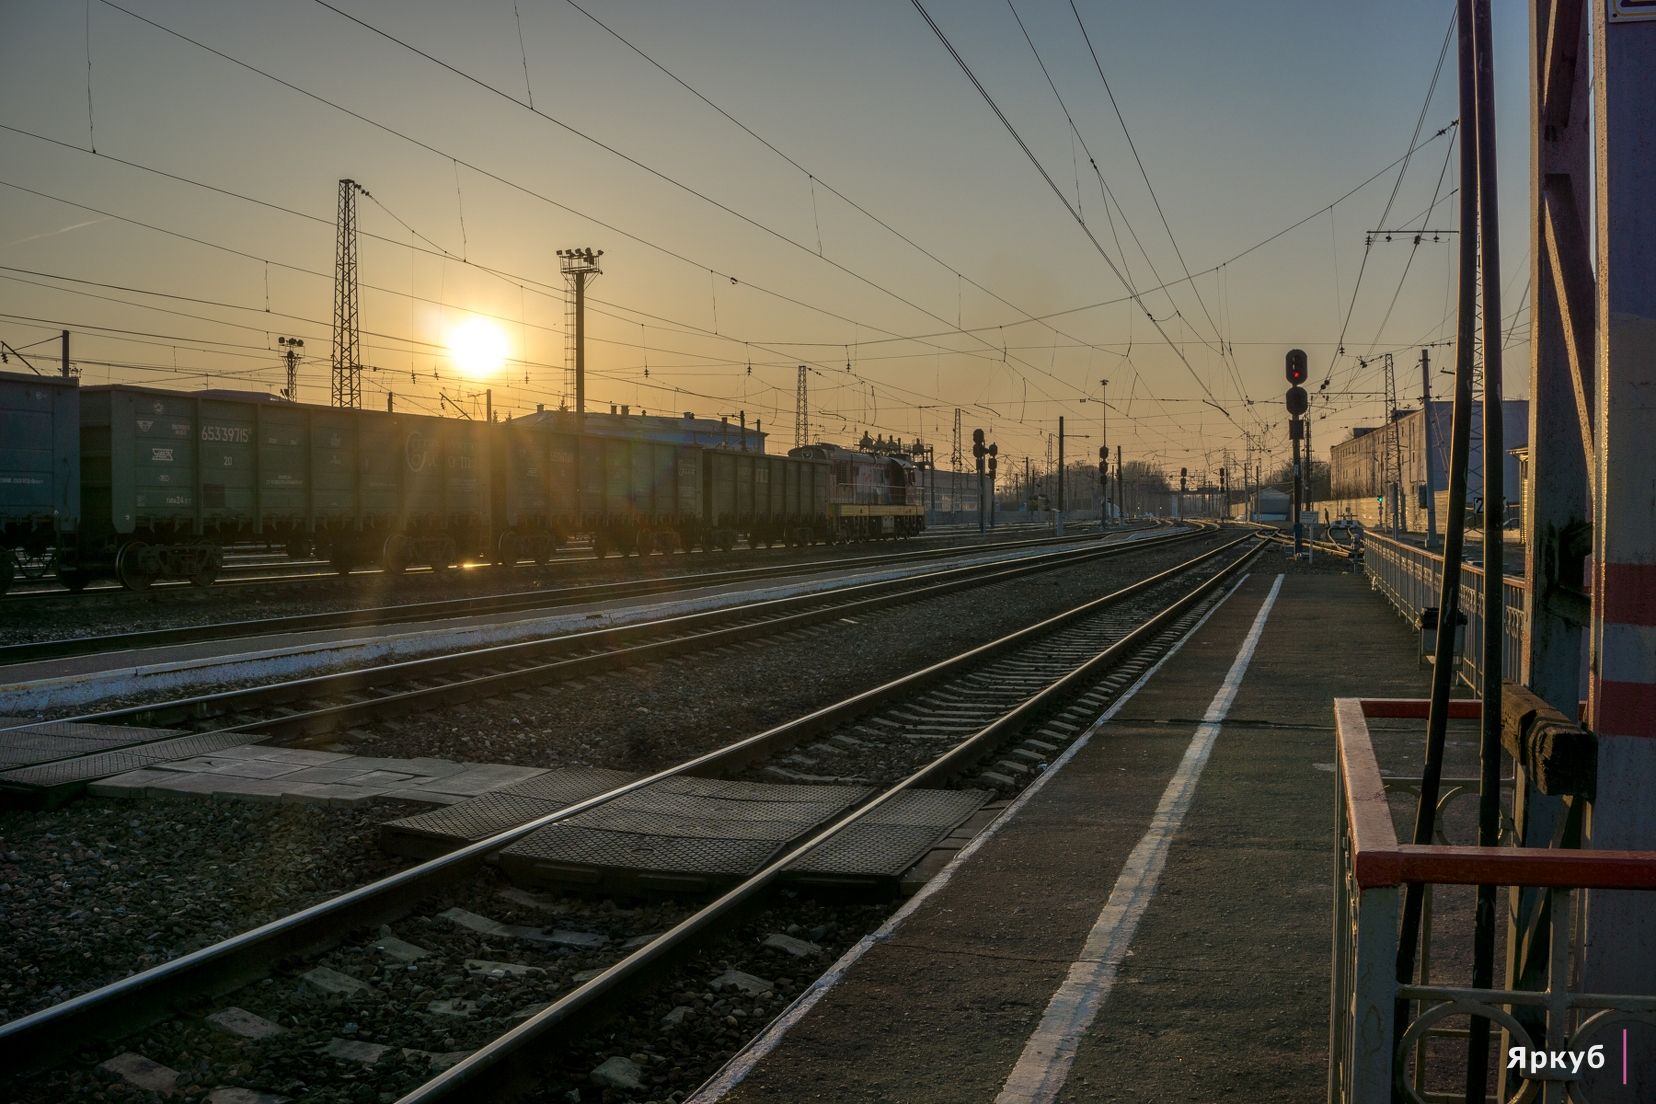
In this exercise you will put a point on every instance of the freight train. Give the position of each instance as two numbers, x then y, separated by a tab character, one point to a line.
144	484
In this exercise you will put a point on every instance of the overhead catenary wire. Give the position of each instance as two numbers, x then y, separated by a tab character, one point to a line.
1059	193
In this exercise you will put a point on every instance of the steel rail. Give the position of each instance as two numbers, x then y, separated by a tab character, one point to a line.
515	601
490	1068
607	649
241	575
143	998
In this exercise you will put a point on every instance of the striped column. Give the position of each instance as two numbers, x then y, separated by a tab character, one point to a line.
1621	926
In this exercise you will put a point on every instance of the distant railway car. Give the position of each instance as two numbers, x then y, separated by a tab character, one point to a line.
39	473
869	495
766	499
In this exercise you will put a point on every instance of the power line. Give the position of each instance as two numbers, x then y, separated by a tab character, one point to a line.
1057	191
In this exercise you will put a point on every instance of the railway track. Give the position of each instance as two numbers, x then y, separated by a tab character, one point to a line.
1027	690
273	572
514	602
308	707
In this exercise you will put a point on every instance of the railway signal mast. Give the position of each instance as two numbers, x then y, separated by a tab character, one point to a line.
1298	401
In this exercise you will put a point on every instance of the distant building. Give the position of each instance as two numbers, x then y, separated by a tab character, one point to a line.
1363	470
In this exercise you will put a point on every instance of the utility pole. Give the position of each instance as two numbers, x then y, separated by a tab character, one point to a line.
1426	444
1394	464
66	369
347	329
802	412
290	353
579	267
1121	497
1104	443
1058	523
1310	464
979	451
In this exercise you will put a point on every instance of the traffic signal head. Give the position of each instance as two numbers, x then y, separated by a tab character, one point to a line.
1298	400
978	449
1103	452
977	436
1296	369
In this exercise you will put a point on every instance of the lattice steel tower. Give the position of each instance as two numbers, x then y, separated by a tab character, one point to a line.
802	413
347	334
957	459
579	267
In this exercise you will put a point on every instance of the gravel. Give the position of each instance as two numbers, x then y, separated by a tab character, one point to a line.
652	716
97	890
412	1018
93	891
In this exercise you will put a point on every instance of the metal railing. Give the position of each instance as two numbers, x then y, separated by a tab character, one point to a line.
1368	1062
1412	577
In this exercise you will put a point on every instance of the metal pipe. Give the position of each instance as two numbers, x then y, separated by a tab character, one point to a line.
1494	554
1454	528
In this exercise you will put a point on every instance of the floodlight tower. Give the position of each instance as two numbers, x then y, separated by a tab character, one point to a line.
291	354
579	267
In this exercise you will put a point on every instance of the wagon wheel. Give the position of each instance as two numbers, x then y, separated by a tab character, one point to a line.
447	554
395	555
509	553
209	569
131	568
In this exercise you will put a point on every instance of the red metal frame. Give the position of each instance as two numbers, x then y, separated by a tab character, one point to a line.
1378	860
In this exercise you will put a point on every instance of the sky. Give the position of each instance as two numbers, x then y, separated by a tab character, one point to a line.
772	184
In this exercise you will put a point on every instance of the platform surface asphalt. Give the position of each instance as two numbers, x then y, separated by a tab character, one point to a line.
1221	987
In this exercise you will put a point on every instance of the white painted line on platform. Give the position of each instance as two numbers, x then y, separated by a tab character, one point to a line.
1047	1057
735	1071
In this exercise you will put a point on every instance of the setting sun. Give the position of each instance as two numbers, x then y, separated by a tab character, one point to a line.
478	347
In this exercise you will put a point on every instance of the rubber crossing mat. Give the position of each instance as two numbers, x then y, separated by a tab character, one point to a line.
97	753
23	742
685	833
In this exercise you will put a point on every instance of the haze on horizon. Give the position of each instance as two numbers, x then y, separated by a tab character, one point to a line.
851	203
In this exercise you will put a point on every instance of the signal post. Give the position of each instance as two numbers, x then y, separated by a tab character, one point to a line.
1298	401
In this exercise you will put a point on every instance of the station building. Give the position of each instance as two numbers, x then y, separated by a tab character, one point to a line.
1364	469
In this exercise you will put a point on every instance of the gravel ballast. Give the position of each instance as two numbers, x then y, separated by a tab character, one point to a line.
649	717
99	889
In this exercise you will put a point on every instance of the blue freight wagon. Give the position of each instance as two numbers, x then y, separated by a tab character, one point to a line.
39	474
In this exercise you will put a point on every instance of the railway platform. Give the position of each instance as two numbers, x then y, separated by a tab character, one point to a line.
1150	922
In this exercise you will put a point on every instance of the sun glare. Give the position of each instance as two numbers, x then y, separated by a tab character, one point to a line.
478	347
